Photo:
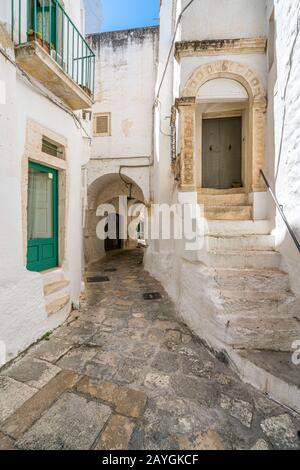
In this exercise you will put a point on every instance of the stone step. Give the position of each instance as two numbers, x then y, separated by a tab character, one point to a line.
261	304
252	279
219	192
271	334
254	296
238	227
242	259
240	199
57	305
272	372
54	287
53	275
246	242
228	212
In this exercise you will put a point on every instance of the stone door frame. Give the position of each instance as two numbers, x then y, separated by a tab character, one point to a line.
256	128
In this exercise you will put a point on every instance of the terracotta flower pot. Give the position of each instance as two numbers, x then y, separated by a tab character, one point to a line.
39	40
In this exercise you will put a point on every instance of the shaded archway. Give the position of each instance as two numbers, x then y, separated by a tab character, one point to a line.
256	119
107	190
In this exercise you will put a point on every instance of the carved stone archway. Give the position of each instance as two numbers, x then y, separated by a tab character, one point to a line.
257	116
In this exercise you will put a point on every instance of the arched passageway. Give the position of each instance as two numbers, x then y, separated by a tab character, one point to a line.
107	220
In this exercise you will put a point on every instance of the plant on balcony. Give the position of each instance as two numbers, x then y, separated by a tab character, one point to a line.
86	89
38	37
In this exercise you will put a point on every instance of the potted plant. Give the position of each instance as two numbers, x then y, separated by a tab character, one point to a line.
38	37
86	89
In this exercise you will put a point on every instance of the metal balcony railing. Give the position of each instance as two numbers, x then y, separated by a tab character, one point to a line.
47	23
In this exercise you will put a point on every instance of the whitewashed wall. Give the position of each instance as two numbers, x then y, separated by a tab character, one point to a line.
126	64
125	81
284	94
203	20
22	310
223	19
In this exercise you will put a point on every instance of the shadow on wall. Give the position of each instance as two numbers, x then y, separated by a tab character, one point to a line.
106	190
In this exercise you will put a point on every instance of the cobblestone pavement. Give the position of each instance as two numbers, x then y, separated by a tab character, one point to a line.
126	373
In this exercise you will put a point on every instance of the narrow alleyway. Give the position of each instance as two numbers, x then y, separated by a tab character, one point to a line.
125	373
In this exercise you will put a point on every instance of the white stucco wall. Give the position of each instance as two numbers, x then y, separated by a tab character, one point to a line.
223	19
23	318
284	168
126	65
124	86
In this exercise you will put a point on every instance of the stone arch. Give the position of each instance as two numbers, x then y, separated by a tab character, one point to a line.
105	189
226	69
257	115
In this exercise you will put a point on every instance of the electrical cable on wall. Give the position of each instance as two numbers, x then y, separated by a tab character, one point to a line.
76	119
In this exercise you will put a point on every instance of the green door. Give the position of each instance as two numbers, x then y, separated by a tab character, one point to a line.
46	17
42	218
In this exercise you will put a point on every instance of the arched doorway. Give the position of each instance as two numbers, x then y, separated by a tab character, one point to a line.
222	113
116	195
222	107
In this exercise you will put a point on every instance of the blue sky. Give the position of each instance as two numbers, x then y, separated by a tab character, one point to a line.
108	15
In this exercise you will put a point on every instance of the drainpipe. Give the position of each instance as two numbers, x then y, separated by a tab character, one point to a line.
173	135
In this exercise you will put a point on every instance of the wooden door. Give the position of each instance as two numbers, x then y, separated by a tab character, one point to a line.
42	218
221	152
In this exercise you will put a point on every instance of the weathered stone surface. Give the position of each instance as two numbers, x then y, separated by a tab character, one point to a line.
116	435
126	401
32	371
157	381
6	443
166	362
52	350
130	370
77	359
239	409
12	395
33	408
201	441
140	344
73	422
196	366
141	350
201	390
281	432
77	331
261	444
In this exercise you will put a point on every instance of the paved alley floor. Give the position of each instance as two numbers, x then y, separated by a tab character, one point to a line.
126	373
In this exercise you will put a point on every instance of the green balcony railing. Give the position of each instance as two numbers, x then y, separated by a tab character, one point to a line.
47	23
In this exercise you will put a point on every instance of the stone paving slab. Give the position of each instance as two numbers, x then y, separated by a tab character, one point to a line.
73	422
33	408
6	443
32	371
116	435
133	376
77	359
125	401
52	350
12	395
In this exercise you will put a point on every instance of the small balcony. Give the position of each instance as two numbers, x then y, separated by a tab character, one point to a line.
50	48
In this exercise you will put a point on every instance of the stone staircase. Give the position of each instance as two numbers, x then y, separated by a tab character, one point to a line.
56	292
228	204
254	308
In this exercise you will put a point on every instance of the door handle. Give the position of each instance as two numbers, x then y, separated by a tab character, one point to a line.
230	147
210	148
